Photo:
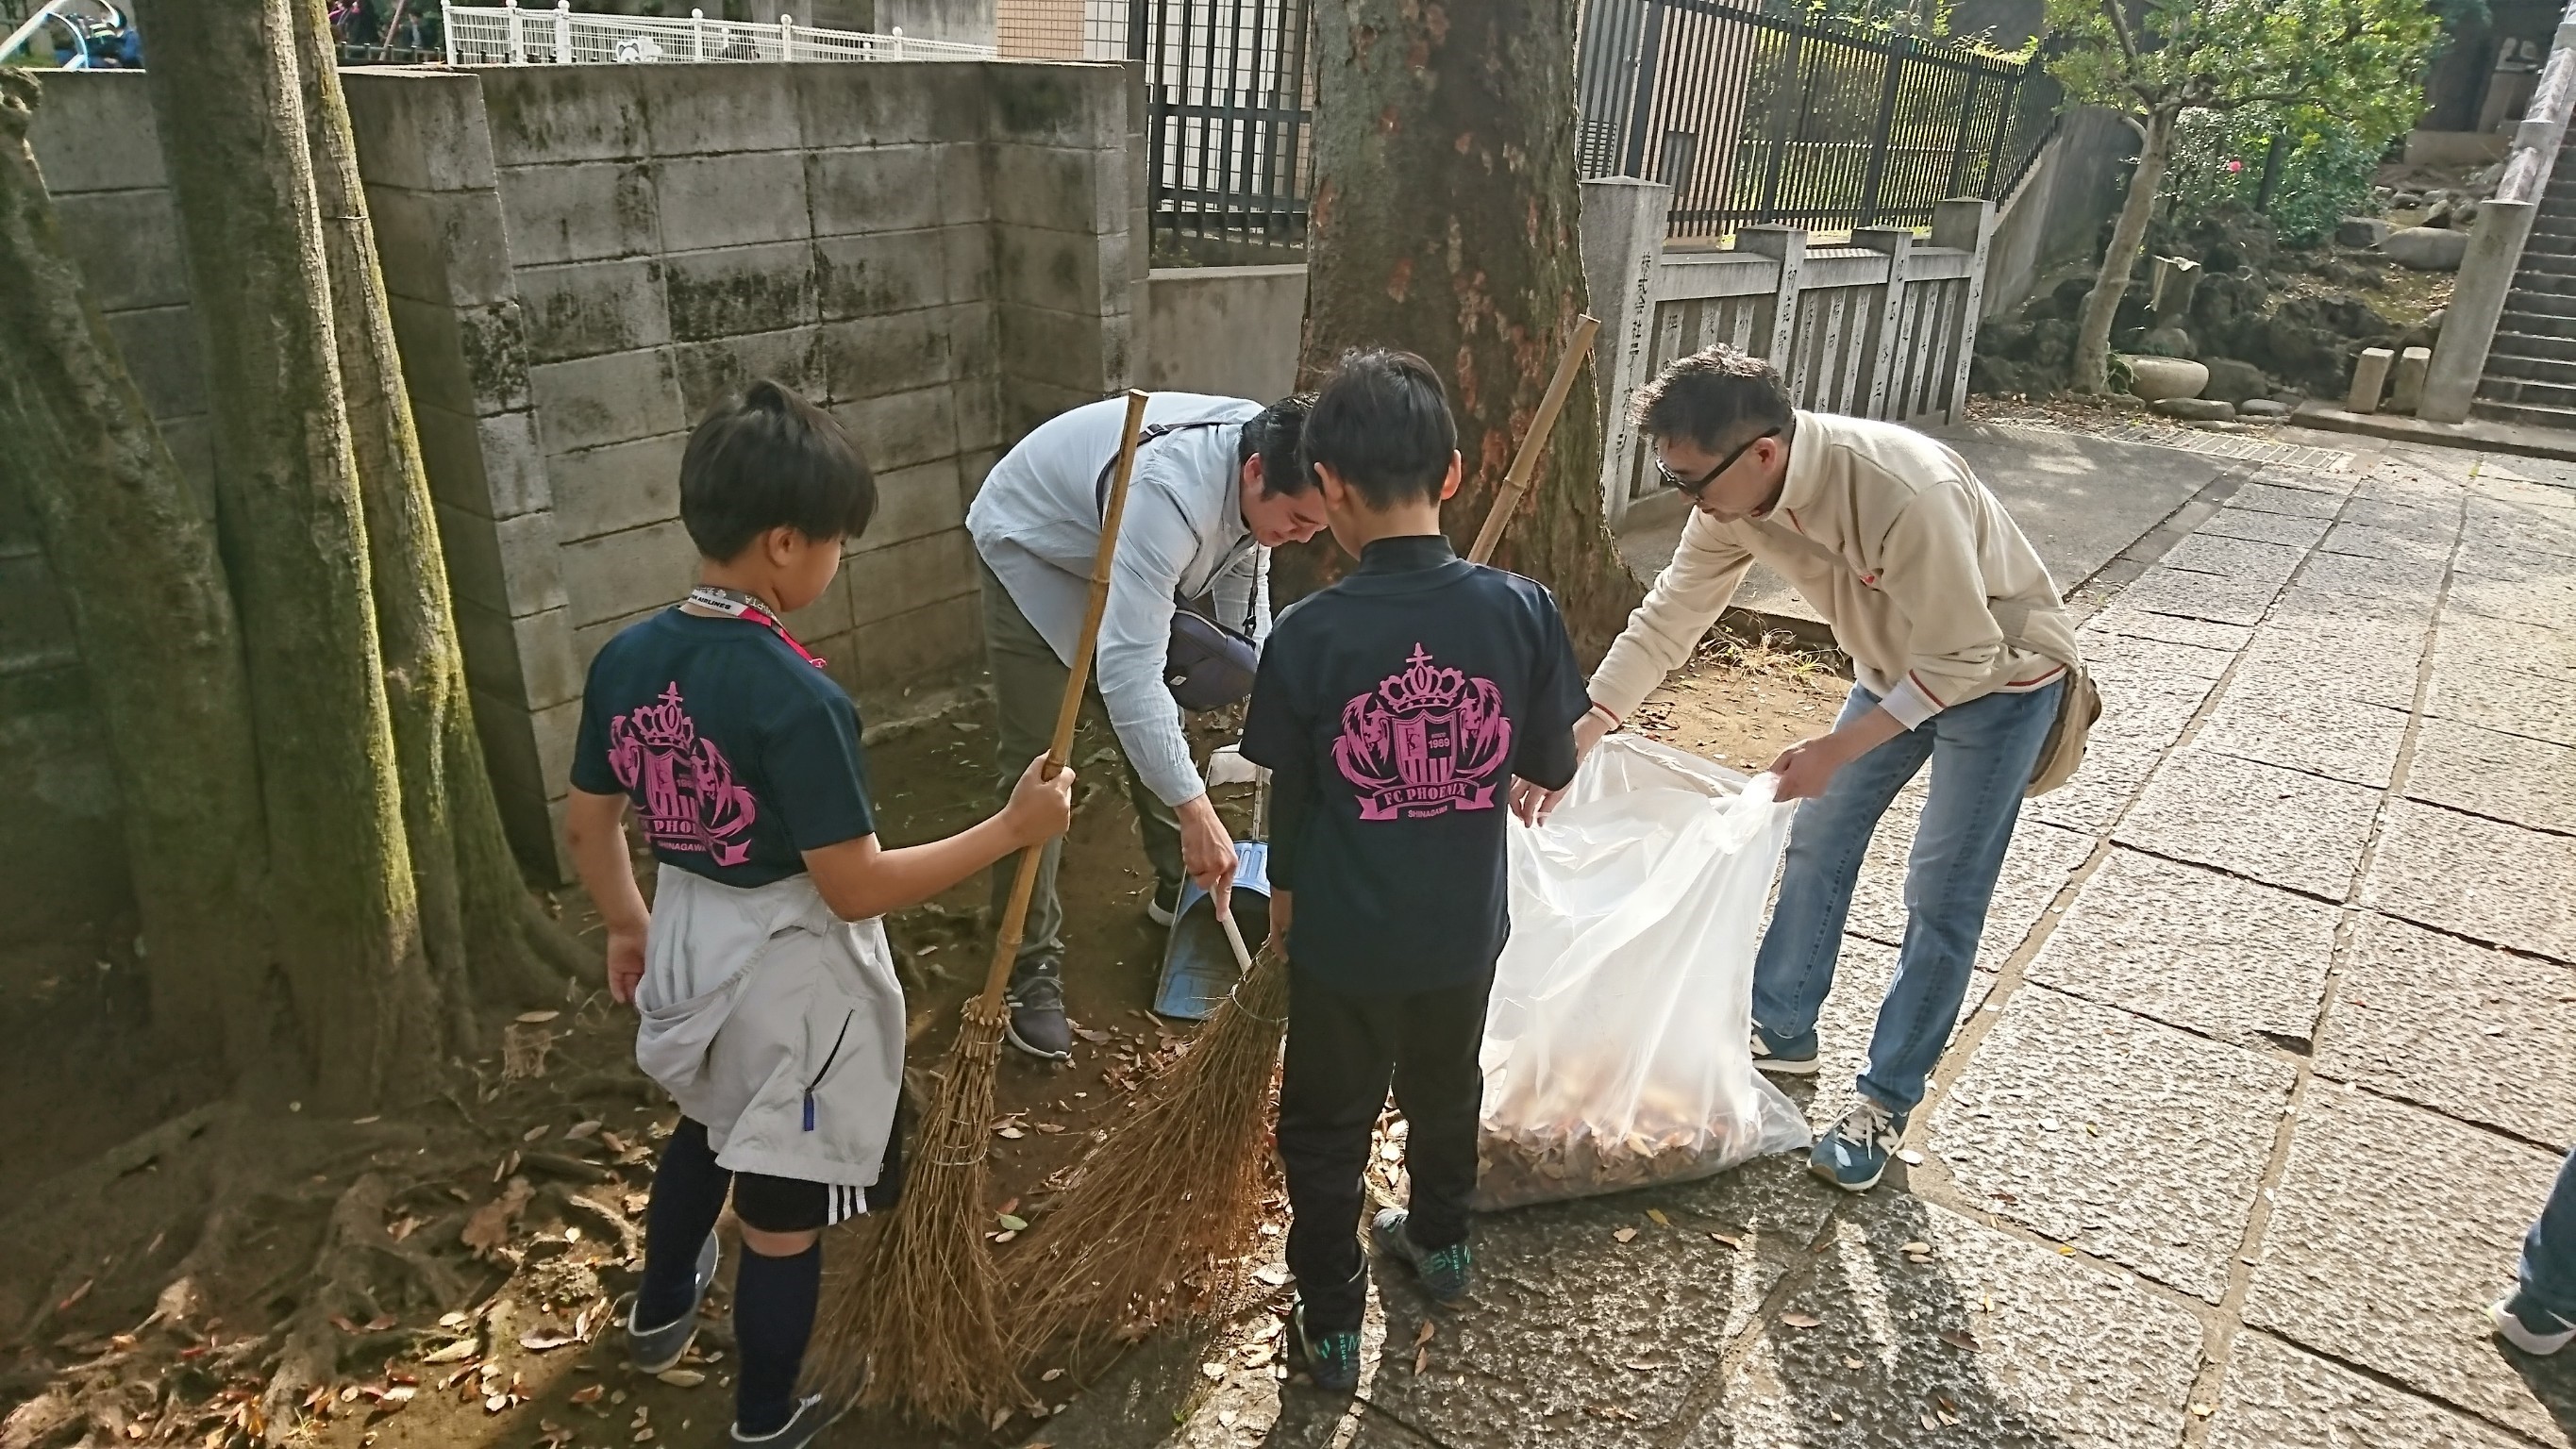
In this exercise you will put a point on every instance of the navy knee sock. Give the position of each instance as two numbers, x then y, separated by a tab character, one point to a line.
773	1316
688	1192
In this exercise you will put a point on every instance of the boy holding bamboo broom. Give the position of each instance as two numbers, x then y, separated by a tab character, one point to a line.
768	995
1394	710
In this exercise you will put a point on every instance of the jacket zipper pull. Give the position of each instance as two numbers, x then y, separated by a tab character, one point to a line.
809	1109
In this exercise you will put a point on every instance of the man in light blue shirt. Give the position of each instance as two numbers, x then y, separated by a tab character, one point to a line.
1217	485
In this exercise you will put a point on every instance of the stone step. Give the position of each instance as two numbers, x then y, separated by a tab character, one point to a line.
2528	393
2535	344
2504	364
2555	263
2524	414
2548	304
2543	281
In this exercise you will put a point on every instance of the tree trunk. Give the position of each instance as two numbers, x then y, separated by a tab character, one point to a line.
1444	223
2102	304
133	549
231	121
484	936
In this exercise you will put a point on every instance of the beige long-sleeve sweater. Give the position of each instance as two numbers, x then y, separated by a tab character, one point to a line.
1889	536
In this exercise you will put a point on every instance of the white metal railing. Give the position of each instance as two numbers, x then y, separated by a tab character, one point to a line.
512	34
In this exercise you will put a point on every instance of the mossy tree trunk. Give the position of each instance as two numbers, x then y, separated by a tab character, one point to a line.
1444	222
133	548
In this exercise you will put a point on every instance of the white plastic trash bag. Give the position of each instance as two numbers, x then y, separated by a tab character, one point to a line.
1616	1052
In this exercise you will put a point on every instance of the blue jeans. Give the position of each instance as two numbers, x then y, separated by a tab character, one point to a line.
2549	1251
1981	754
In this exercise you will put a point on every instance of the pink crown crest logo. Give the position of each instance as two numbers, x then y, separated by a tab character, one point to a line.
1426	741
685	785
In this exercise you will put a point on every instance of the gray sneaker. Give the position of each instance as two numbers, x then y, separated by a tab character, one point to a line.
1036	999
812	1417
652	1350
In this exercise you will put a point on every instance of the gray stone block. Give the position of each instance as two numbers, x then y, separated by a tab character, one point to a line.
875	356
2541	706
869	276
615	397
2236	558
893	580
619	487
1055	105
915	502
2391	1268
35	615
876	188
518	785
2472	642
2130	621
731	201
2264	409
721	109
528	661
966	264
545	113
555	730
2268	719
579	212
2235	382
883	105
2297	502
2195	409
2360	231
490	467
2150	663
448	247
159	345
2477	878
1027	402
1057	189
127	246
589	639
85	132
582	308
2427	248
828	616
979	412
512	566
901	429
2065	1354
2259	821
2470	1032
712	372
2417	577
940	640
431	342
965	199
1062	349
2212	954
740	289
2131	1140
1058	271
421	129
192	445
625	573
2278	1396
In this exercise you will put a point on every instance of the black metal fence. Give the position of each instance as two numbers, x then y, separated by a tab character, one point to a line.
1751	116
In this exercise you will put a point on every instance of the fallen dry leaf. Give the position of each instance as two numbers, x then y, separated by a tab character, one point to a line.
489	1227
543	1339
1658	1215
681	1378
1050	1376
1421	1360
580	1130
588	1393
457	1352
1423	1334
533	1018
1916	1248
1962	1339
1726	1238
1800	1320
1213	1370
453	1320
1626	1235
533	1133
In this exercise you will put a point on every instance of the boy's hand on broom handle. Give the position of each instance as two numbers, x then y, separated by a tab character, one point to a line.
1040	808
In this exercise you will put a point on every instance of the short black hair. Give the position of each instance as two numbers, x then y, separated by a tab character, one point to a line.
1382	424
1277	434
770	459
1716	398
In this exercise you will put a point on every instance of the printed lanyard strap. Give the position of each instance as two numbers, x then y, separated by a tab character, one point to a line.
743	606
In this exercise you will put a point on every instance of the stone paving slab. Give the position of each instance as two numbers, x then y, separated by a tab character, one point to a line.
2193	948
2202	596
2548	602
2300	730
2260	821
2372	661
2035	868
2461	1028
1843	1028
2290	530
2062	1354
2128	620
2527	782
2091	803
2502	699
2433	526
2415	580
2479	643
2280	497
2280	1398
2372	1259
2478	878
2234	558
2147	660
2419	545
2307	602
2131	1140
1572	1333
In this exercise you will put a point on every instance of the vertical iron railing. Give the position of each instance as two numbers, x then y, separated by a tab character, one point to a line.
1228	105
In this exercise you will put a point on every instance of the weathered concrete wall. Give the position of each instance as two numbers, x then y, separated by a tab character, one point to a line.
583	260
1231	330
2053	216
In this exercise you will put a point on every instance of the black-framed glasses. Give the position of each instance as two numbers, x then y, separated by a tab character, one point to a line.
1692	487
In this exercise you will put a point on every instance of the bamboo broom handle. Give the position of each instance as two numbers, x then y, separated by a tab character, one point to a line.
1516	483
1077	683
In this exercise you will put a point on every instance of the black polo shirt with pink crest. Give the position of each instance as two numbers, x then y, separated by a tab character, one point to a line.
1393	710
739	754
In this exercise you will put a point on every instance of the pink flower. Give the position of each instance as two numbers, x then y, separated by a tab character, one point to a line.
2235	166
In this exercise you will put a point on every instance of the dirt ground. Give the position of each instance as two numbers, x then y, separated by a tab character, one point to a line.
127	1316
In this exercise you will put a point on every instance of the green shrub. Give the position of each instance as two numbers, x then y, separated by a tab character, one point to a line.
2219	158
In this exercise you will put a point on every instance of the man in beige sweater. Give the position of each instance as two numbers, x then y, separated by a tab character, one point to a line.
1961	648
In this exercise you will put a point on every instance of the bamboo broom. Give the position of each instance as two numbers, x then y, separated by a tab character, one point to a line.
926	1333
1158	1216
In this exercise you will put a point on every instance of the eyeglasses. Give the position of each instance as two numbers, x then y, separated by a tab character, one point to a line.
1692	487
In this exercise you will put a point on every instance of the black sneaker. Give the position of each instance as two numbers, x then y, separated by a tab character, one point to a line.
1332	1360
813	1415
1036	999
1444	1272
1164	906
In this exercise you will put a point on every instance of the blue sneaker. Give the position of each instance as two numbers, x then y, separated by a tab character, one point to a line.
652	1350
1444	1272
2522	1322
1332	1360
1855	1153
1787	1056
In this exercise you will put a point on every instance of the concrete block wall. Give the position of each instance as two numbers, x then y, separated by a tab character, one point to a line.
583	260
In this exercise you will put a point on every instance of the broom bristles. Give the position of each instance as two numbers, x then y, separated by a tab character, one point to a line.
1159	1217
917	1325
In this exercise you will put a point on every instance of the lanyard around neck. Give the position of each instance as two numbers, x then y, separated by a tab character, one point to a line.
743	606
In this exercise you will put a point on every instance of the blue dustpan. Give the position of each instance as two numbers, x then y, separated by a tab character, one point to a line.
1198	965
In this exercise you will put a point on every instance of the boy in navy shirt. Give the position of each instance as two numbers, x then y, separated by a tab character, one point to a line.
768	998
1393	711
